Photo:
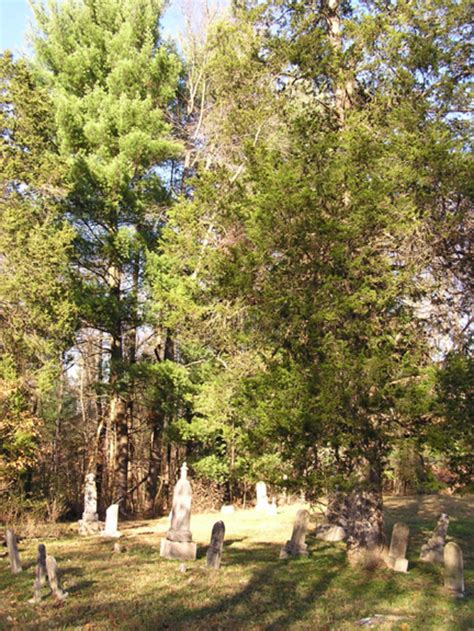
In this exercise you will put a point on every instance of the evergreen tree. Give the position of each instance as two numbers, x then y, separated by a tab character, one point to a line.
37	310
112	81
309	238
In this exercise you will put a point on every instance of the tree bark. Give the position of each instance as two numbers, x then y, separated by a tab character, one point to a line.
118	416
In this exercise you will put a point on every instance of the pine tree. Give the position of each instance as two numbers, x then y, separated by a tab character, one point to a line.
112	81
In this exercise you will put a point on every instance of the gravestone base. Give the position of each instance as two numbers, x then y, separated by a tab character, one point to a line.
289	551
330	533
179	550
112	535
397	565
87	527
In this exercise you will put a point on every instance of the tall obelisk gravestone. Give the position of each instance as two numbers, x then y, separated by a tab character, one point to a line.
178	543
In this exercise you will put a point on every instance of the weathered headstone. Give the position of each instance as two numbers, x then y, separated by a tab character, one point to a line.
398	548
90	524
111	522
296	546
13	554
262	498
454	569
178	543
433	550
40	573
331	533
214	552
53	578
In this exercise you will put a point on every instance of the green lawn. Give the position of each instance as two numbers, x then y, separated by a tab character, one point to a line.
253	590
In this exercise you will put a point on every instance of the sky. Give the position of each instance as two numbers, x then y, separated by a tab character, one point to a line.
16	14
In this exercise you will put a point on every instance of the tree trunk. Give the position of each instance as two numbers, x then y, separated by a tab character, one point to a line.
360	513
118	416
151	485
157	447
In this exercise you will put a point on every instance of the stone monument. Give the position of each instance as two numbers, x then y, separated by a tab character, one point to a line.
453	569
433	550
262	498
90	524
111	522
178	543
398	548
296	546
13	554
214	552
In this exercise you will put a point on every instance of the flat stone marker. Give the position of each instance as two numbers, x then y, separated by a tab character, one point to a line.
13	554
111	522
454	569
296	546
331	533
214	552
433	550
53	578
90	524
262	498
178	543
398	548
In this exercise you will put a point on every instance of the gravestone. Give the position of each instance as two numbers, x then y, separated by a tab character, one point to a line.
433	550
331	533
13	554
178	543
272	510
40	574
262	498
296	546
227	509
214	552
111	521
454	569
53	578
398	548
90	524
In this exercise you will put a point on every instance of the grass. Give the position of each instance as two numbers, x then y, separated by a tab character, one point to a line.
254	590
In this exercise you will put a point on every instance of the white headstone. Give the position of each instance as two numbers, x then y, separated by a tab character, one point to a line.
272	509
398	548
111	522
262	498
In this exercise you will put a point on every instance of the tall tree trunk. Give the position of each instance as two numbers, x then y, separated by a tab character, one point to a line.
158	449
118	417
154	468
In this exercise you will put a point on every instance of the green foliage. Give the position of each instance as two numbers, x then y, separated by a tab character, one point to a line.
308	242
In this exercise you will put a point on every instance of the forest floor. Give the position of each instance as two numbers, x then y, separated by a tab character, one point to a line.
254	590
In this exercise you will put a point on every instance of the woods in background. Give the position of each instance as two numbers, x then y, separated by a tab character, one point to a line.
253	253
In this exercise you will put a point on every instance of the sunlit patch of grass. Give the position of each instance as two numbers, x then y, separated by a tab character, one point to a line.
138	591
